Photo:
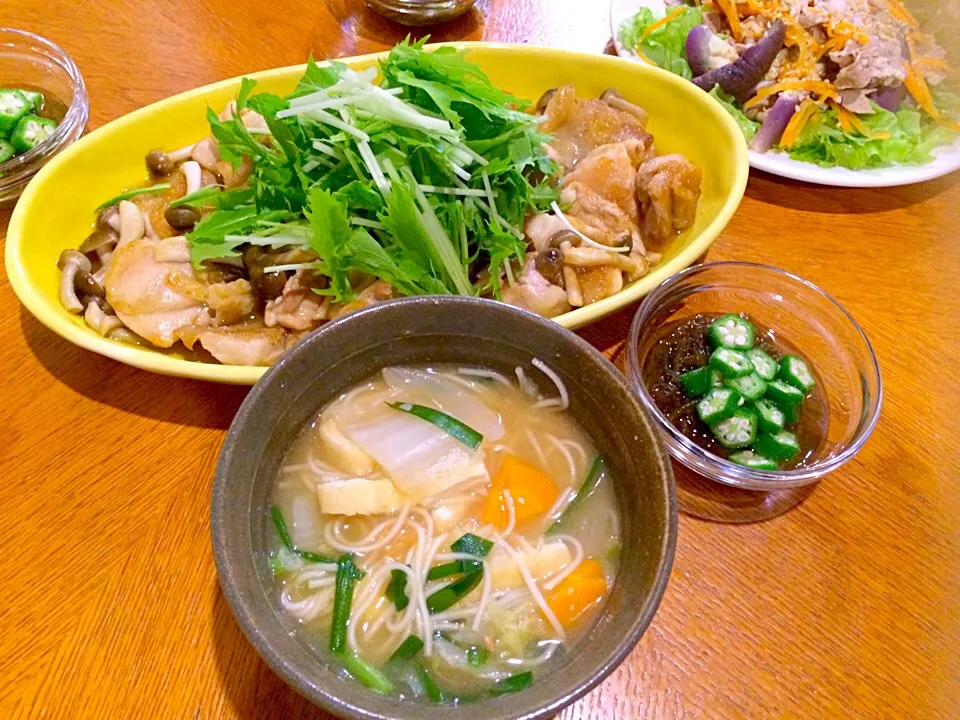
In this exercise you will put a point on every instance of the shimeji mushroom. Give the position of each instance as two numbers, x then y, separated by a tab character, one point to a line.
131	223
192	173
71	263
615	100
207	153
101	322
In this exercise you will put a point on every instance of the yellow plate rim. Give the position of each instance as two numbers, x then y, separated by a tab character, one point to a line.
155	361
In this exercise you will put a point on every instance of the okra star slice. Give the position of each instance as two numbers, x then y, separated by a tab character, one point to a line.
34	97
30	132
731	331
770	418
697	382
13	106
752	460
751	386
737	431
765	365
718	404
731	363
779	446
6	151
795	371
787	398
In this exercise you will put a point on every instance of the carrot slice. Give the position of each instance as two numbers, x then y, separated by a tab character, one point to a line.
580	590
917	86
729	9
532	492
799	121
819	87
900	12
660	23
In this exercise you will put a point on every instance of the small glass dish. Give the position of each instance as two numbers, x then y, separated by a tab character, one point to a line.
30	61
798	312
421	12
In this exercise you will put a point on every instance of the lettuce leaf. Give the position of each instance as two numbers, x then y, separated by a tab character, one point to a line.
667	45
747	126
912	139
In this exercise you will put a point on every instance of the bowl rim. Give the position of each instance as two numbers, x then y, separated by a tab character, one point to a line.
20	169
694	457
244	608
154	360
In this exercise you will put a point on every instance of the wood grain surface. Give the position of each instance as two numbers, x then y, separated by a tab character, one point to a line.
845	606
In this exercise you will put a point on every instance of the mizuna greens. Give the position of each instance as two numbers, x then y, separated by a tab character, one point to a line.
419	178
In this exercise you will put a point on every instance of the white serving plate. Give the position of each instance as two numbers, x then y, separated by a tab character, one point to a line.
946	159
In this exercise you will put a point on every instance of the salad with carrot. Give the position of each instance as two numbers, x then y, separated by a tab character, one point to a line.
839	83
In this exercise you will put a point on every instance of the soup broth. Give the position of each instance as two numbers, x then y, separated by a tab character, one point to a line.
482	558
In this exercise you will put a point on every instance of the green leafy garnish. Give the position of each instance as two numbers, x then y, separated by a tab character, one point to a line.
666	46
747	126
477	655
287	541
912	139
368	675
453	593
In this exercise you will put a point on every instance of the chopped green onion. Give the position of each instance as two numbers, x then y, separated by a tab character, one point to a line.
512	684
132	194
452	594
347	575
477	655
590	483
288	542
408	650
438	572
368	675
396	590
473	545
450	425
282	528
429	684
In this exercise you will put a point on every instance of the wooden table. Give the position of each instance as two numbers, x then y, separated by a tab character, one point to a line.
845	606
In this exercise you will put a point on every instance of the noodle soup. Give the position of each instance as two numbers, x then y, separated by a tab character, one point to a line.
445	531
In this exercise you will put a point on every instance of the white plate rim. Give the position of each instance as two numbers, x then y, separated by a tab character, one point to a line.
946	159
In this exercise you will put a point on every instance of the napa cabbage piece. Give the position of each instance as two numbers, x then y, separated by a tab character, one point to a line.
425	388
541	561
420	458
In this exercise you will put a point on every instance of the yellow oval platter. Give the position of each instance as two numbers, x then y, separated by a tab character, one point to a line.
57	209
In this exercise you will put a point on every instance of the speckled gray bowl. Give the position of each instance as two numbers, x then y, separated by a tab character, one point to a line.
441	330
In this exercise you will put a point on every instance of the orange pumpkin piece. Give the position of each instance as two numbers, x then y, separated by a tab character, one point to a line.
532	492
580	590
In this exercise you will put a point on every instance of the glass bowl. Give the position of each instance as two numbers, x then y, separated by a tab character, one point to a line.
800	313
420	12
28	60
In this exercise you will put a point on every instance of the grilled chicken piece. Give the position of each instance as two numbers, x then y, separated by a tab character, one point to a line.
137	288
579	127
668	188
610	172
535	293
298	307
246	345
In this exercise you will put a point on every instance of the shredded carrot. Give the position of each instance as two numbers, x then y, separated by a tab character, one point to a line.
729	9
661	22
950	125
799	120
900	12
843	117
930	63
532	492
819	87
578	592
918	88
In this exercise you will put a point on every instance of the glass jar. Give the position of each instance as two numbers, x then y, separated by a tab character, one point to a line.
420	12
